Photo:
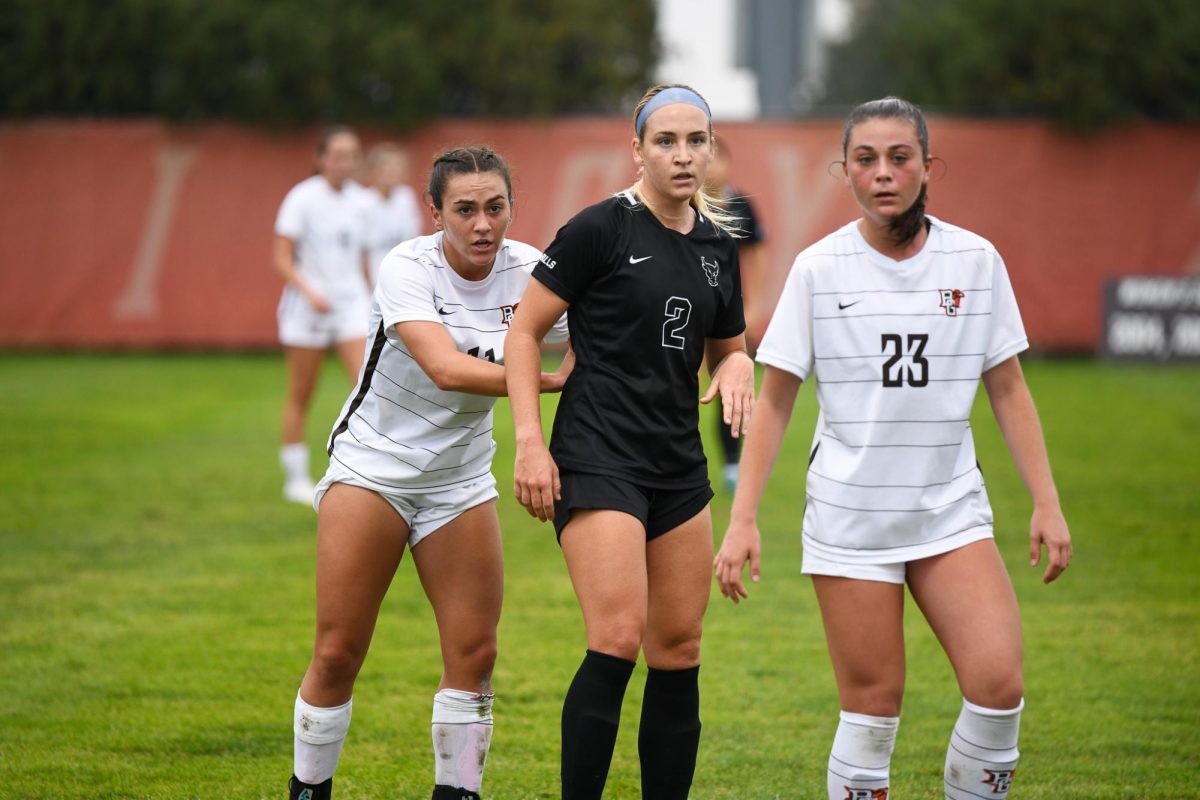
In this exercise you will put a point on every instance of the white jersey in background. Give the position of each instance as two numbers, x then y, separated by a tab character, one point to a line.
398	431
897	350
327	226
390	220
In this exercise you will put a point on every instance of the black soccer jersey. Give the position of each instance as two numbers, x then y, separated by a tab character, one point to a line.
643	299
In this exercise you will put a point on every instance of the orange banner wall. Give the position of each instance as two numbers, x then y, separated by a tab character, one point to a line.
142	235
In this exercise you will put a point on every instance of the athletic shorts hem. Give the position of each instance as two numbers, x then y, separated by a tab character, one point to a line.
658	510
424	512
825	561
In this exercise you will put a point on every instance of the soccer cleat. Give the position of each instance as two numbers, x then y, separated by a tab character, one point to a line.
299	790
443	792
299	490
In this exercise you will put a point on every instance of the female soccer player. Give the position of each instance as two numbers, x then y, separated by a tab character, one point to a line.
410	463
393	213
651	278
320	254
898	315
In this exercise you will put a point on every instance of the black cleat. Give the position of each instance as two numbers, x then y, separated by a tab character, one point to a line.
442	792
299	790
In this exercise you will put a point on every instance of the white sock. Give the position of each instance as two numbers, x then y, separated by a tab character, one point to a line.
982	755
294	460
462	733
320	733
861	756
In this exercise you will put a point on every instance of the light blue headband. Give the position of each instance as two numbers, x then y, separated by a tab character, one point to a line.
676	94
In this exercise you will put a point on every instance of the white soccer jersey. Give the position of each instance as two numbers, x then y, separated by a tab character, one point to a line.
897	350
390	220
327	226
398	431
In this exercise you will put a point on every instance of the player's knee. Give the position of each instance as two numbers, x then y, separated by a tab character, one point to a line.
476	658
999	688
678	649
877	695
619	637
875	704
336	661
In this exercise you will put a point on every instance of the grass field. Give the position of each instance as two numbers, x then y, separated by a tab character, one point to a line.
156	605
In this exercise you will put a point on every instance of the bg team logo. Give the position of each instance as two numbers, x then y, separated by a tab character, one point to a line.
506	313
952	301
866	794
1000	780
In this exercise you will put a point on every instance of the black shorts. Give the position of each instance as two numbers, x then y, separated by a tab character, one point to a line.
659	510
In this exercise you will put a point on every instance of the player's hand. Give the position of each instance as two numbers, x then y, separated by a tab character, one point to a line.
742	543
535	480
734	380
1048	527
554	381
317	301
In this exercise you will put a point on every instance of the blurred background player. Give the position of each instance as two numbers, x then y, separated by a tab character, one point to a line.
393	212
651	279
320	252
898	316
752	260
410	464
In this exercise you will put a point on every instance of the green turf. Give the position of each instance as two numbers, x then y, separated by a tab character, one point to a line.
156	605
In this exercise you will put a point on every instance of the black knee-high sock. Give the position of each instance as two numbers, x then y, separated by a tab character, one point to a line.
670	732
590	717
730	445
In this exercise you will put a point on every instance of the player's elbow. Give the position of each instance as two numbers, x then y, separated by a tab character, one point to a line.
444	378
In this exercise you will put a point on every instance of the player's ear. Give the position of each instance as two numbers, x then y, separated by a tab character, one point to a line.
636	147
436	215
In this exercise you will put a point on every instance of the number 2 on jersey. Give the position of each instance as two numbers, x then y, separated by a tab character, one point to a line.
916	346
678	311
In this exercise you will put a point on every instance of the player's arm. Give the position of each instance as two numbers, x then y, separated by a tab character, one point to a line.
753	259
732	373
1017	417
284	260
742	540
451	370
535	475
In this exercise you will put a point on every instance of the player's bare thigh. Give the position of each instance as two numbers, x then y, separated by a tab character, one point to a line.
605	551
360	541
968	598
679	583
864	629
351	352
461	567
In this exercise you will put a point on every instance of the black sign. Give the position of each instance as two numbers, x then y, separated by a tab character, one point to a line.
1149	318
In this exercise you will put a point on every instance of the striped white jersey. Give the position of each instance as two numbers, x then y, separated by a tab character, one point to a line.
328	227
398	431
897	350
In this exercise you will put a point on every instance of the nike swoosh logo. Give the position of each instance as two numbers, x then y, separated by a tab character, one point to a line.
844	306
444	312
633	260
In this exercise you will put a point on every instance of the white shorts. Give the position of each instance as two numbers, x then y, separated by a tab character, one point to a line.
300	325
814	563
423	512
